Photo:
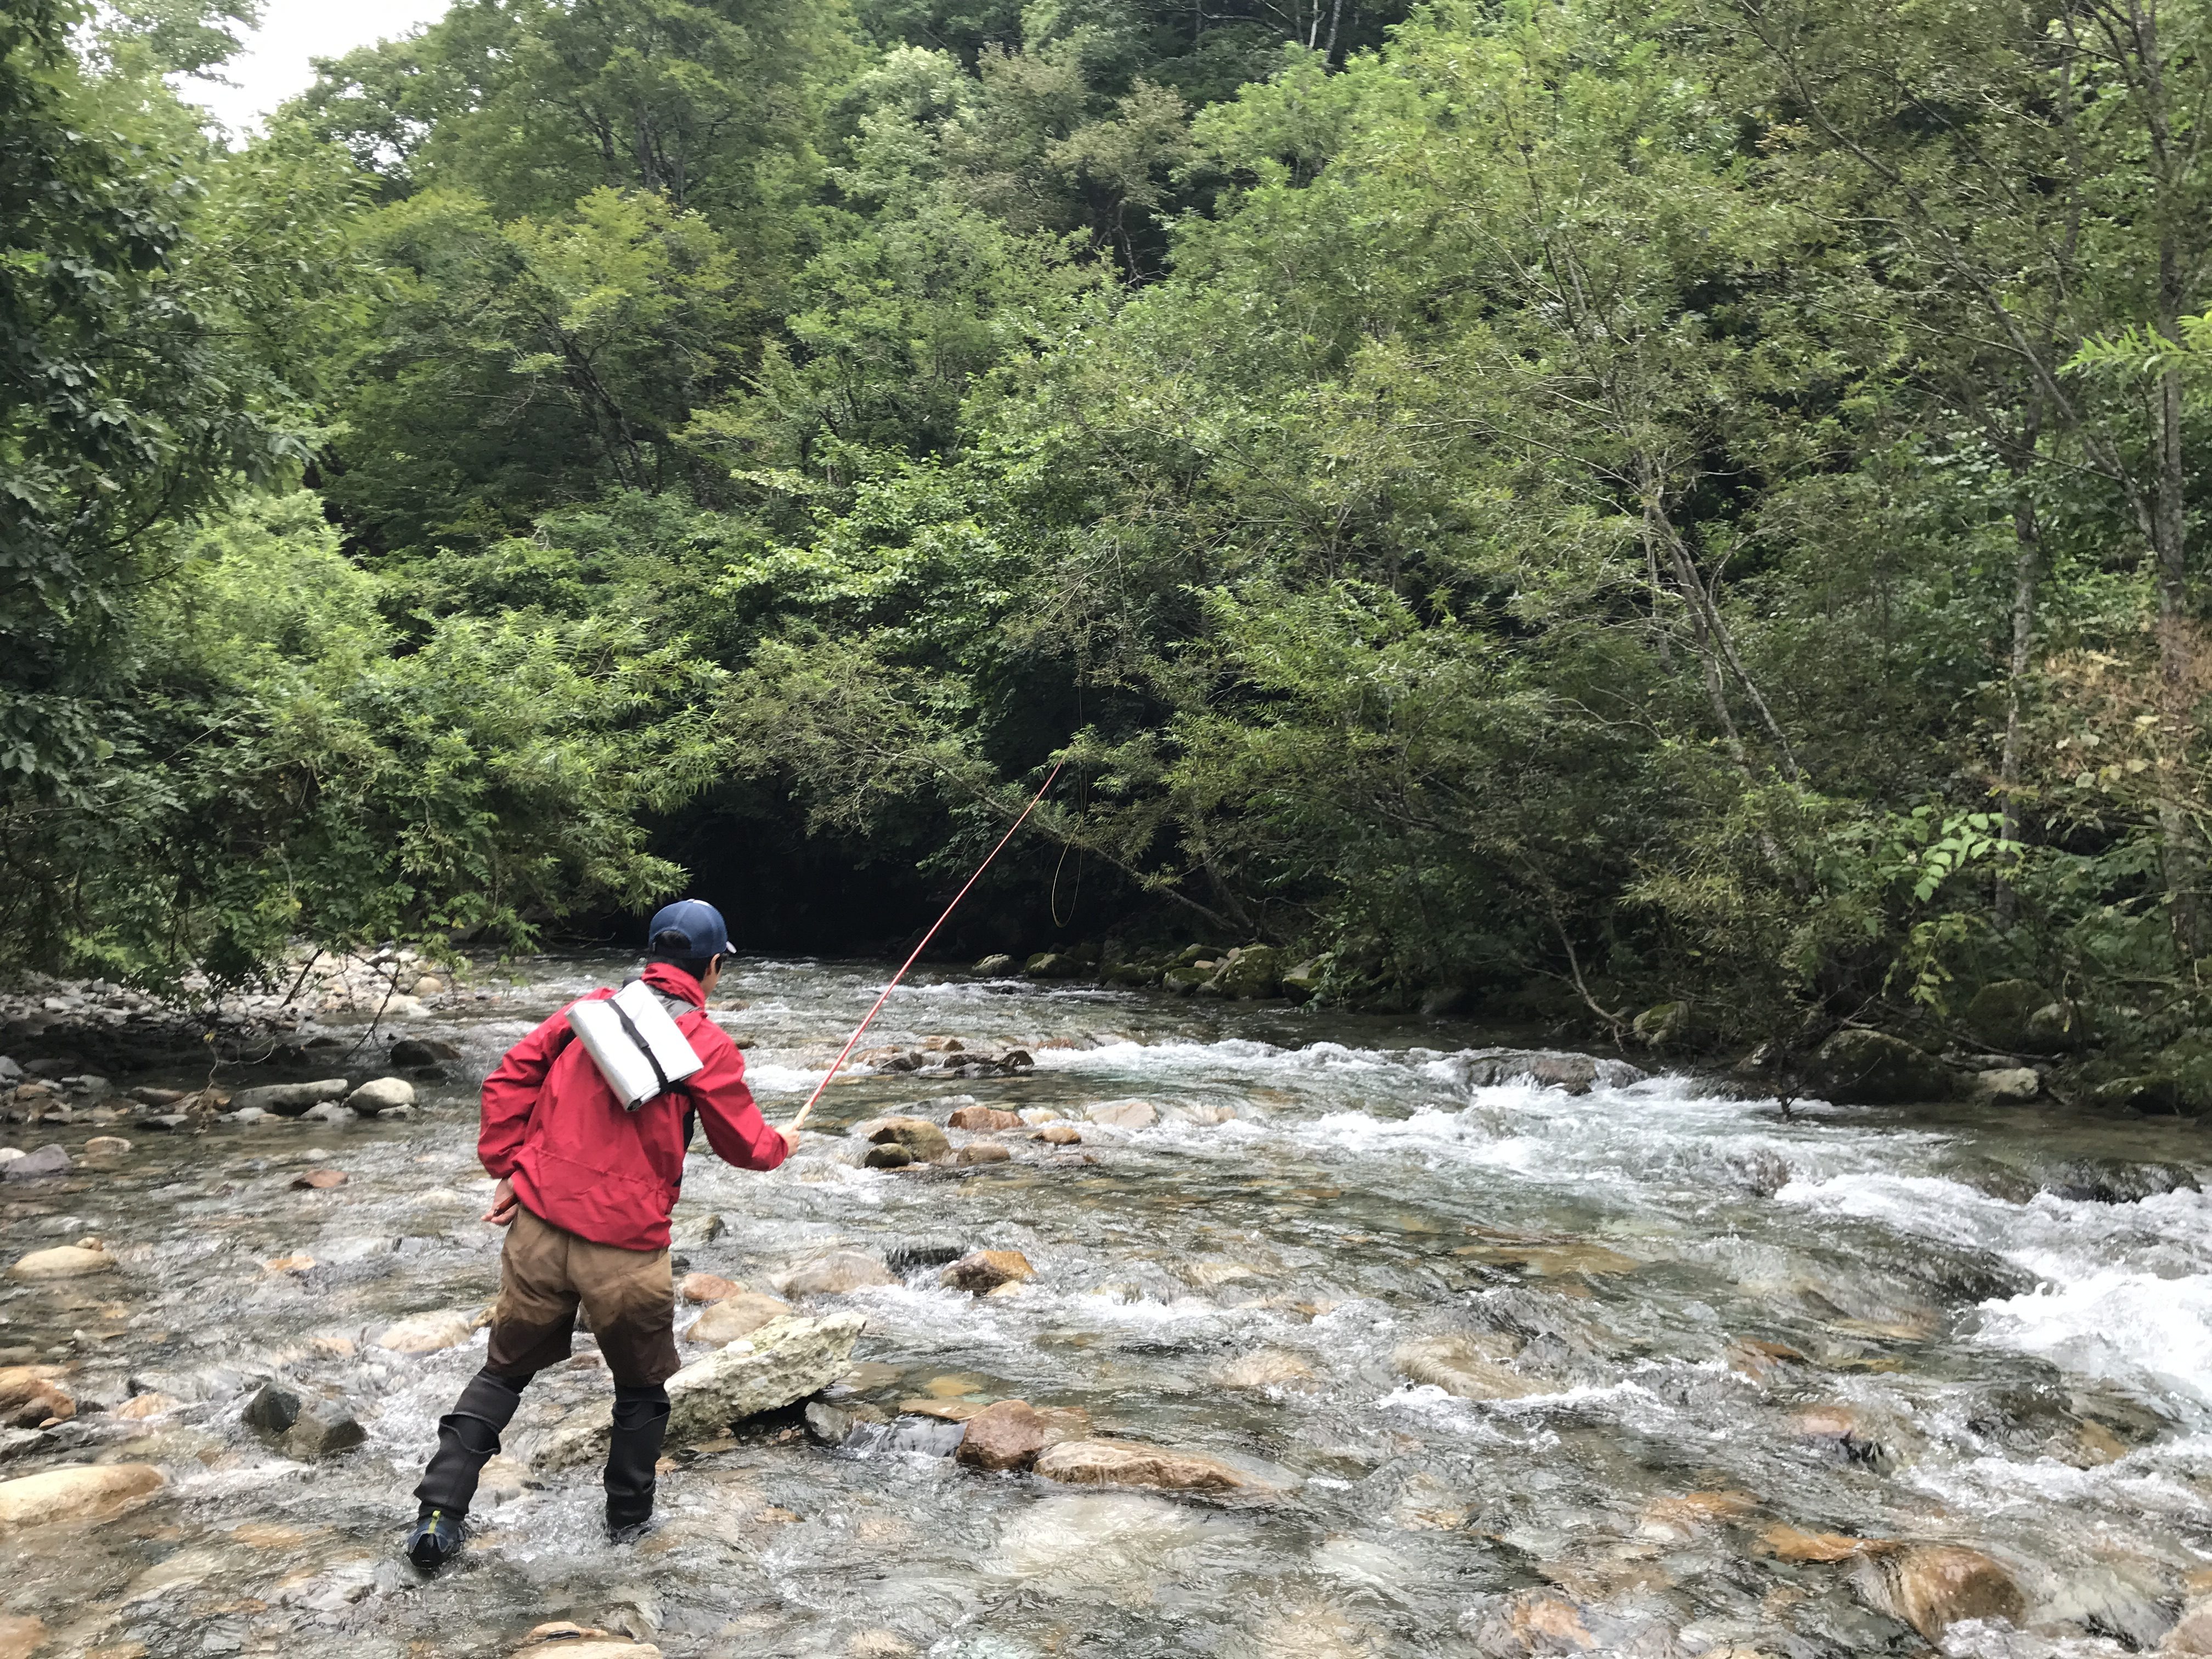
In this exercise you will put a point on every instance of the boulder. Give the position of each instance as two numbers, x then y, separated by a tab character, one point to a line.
982	1271
1470	1366
1129	973
985	1118
273	1409
318	1180
1998	1014
1303	981
428	1333
2007	1085
1251	972
692	1230
321	1431
1184	982
291	1099
734	1316
1054	964
1126	1463
64	1261
37	1166
998	963
1873	1068
1663	1025
784	1361
2056	1028
1932	1587
106	1147
982	1151
423	1051
1007	1435
890	1156
707	1287
2191	1638
917	1134
1058	1134
140	1407
31	1395
1265	1368
381	1094
834	1274
77	1491
1124	1114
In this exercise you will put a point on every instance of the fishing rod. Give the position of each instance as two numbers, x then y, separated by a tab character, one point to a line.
920	948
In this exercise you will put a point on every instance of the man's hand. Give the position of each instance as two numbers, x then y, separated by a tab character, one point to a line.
790	1139
503	1204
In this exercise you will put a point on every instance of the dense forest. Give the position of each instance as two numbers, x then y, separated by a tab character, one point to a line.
1593	506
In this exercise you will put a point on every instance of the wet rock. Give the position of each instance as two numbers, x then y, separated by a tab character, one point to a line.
1058	1134
381	1094
173	1122
47	1161
1054	964
1661	1025
890	1156
1470	1366
1007	1434
688	1232
1126	1463
2190	1637
428	1333
983	1270
1789	1543
106	1147
1873	1068
157	1097
1678	1520
707	1287
1999	1013
923	1139
31	1395
565	1640
2114	1181
999	962
1303	982
1759	1359
982	1151
833	1424
78	1492
141	1407
836	1273
2007	1085
1124	1114
911	1252
1184	982
423	1051
1250	973
1932	1587
782	1362
291	1099
64	1261
985	1118
2146	1096
1266	1368
318	1180
273	1409
21	1636
321	1431
735	1316
1578	1074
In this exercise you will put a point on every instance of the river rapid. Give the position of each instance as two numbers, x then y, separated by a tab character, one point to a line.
1737	1328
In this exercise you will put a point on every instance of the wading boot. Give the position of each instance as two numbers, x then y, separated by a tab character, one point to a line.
433	1539
640	1419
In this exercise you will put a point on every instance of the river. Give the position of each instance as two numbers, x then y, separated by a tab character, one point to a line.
1733	1328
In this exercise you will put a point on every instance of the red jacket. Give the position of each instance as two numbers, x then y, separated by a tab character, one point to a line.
553	1128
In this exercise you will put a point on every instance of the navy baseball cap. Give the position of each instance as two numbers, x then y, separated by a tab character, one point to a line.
701	925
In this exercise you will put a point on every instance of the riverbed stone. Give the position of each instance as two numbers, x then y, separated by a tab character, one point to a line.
64	1261
917	1134
784	1361
381	1094
1468	1366
980	1151
1104	1462
837	1273
888	1156
1124	1113
80	1492
1873	1068
1055	965
998	963
2007	1085
2191	1637
987	1118
291	1099
31	1395
48	1161
273	1409
736	1315
318	1180
1264	1368
428	1333
707	1287
423	1051
322	1430
1007	1434
983	1270
1058	1134
1932	1587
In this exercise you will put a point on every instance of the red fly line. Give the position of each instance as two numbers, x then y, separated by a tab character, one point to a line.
924	945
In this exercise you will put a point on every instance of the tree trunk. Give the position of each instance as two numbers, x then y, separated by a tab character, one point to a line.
2027	569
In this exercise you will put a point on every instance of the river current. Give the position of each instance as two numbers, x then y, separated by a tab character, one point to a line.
1740	1325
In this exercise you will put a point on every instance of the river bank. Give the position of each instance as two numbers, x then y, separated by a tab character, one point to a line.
1514	1365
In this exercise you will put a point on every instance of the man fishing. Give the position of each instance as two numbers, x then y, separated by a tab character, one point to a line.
586	1183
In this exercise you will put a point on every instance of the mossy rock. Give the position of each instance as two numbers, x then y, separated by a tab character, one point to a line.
1303	981
1873	1068
1251	972
1663	1025
1999	1013
1130	972
1054	964
1184	981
